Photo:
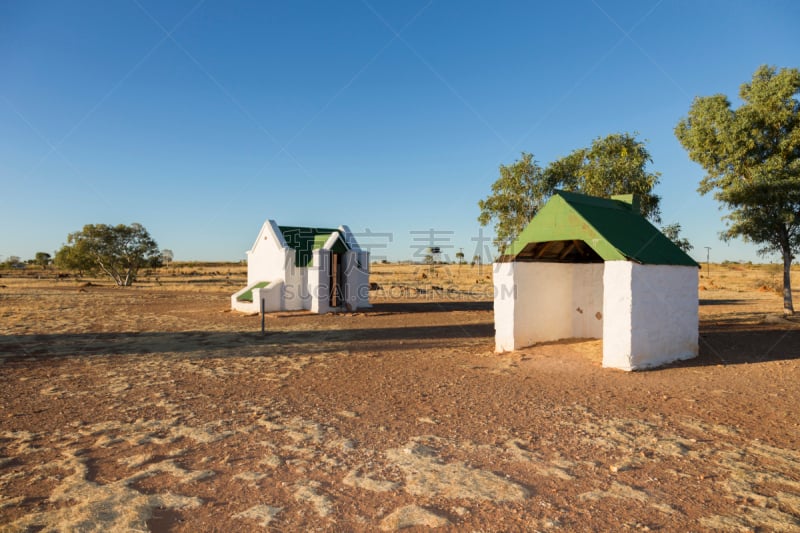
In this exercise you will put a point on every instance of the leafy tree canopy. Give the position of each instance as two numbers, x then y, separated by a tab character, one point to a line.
615	164
751	156
167	256
42	259
118	251
673	233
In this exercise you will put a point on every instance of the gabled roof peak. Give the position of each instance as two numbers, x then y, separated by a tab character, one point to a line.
613	228
304	240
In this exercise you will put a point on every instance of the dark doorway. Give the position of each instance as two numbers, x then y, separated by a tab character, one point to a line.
336	280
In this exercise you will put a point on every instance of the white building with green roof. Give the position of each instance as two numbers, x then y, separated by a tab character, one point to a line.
291	268
588	267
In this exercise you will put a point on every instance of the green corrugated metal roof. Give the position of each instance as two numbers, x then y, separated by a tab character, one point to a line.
611	227
306	240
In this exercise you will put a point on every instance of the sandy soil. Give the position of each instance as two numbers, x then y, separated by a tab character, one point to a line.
155	408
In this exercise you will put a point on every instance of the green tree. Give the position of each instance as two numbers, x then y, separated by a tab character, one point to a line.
42	259
460	257
516	196
751	156
673	233
615	164
167	256
12	261
118	251
68	258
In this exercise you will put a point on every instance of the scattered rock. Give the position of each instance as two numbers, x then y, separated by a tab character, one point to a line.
308	493
261	514
427	475
352	479
773	319
412	516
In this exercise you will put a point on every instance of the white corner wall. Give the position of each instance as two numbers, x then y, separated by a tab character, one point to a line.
356	279
272	295
617	314
651	315
539	302
505	301
268	258
318	281
362	280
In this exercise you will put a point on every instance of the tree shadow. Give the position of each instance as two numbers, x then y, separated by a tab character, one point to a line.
710	301
737	344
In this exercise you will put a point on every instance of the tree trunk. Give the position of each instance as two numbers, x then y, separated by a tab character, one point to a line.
788	308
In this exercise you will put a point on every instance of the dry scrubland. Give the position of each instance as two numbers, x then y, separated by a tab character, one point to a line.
154	407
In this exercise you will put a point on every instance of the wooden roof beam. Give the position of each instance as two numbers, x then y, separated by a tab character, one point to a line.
567	249
542	250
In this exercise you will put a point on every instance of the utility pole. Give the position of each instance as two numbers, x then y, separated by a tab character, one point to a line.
708	261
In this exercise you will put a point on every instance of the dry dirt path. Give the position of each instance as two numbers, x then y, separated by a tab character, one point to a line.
161	410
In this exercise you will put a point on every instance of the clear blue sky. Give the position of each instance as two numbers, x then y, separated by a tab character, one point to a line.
201	119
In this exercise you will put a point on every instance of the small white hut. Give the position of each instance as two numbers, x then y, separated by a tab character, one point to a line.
292	268
588	267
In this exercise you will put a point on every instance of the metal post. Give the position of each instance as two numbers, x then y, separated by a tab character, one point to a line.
263	332
708	261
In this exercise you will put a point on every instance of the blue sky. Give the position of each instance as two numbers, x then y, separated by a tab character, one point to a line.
201	119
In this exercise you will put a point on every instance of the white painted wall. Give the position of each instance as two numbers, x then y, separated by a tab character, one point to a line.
272	295
617	314
296	295
539	302
244	307
356	279
318	281
651	315
357	284
268	258
271	259
587	300
665	314
505	301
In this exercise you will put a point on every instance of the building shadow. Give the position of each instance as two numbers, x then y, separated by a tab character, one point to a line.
446	306
250	343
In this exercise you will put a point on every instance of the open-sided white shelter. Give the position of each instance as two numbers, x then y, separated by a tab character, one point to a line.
588	267
291	268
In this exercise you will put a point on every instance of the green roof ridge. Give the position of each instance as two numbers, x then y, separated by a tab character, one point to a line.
611	227
304	240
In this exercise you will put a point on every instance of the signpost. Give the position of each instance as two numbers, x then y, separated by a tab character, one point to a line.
263	331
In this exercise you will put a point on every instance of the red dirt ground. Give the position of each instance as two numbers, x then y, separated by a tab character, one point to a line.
159	409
